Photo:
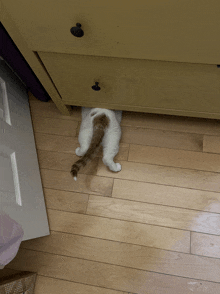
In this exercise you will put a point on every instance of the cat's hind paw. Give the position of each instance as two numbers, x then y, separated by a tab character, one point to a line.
78	151
118	166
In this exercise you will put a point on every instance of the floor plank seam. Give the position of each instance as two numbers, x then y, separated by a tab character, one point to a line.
117	265
87	204
190	244
121	242
154	183
36	132
91	285
135	244
127	125
176	167
124	220
130	180
197	133
150	203
173	148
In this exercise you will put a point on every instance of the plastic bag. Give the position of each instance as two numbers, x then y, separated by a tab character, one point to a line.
11	235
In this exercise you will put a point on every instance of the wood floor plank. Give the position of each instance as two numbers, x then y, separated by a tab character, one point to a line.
171	123
115	277
57	143
206	245
166	195
136	119
172	217
175	158
67	144
98	250
162	138
54	126
119	230
63	161
48	285
126	255
49	109
164	175
61	180
211	144
64	200
173	183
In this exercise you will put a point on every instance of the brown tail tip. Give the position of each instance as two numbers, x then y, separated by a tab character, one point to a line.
74	171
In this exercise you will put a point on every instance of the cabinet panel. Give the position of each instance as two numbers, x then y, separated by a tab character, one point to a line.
183	31
133	84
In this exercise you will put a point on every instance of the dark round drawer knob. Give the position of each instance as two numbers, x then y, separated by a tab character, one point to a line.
96	87
77	31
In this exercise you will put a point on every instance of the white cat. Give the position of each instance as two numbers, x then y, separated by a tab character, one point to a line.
98	126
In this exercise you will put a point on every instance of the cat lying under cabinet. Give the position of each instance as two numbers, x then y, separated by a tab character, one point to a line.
98	126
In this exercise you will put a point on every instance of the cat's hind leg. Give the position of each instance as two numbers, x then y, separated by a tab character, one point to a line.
85	137
110	150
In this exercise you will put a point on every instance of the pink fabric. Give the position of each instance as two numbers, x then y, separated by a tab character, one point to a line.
11	235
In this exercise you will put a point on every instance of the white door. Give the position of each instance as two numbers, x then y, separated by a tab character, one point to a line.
21	193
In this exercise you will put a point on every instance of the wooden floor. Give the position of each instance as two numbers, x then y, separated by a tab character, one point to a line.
153	228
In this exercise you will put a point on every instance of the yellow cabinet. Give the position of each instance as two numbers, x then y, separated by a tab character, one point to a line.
135	84
150	56
171	30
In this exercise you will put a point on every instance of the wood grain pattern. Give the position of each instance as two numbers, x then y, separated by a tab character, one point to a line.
60	180
55	126
119	230
127	255
172	217
63	161
150	228
206	245
211	144
65	200
166	195
49	109
165	175
50	285
181	124
161	138
59	143
176	158
111	276
97	249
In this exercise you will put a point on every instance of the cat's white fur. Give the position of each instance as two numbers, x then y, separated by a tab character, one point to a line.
110	141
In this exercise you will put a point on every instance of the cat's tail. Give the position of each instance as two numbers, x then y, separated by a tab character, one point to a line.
100	123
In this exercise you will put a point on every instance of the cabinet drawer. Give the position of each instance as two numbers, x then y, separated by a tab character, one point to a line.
183	30
138	85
